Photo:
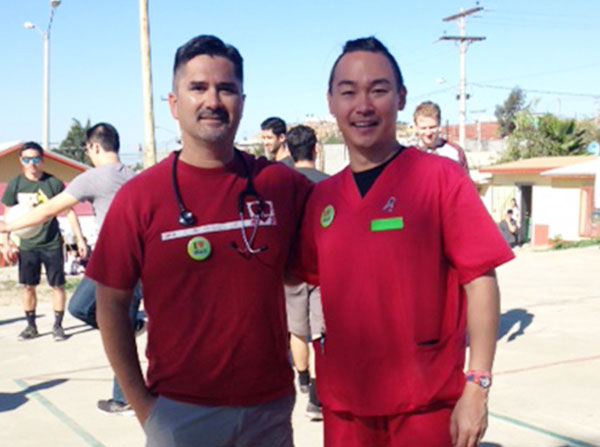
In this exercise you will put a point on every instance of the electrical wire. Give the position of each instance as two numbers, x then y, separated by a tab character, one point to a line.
543	92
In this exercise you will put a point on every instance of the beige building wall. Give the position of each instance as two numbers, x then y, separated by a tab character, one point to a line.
335	158
558	208
497	200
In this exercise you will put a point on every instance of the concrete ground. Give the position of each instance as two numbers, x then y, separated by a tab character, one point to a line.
545	393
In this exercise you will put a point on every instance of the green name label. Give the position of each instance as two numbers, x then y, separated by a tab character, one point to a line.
393	223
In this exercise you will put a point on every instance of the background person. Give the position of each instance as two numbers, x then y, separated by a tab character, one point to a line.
273	132
508	228
208	231
97	186
404	252
516	215
428	119
34	186
303	301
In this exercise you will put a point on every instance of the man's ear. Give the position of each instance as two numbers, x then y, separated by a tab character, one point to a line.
173	105
243	104
402	98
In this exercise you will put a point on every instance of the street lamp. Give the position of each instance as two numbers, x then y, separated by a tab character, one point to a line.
46	81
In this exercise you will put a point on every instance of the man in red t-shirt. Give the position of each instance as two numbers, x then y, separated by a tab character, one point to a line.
208	231
404	252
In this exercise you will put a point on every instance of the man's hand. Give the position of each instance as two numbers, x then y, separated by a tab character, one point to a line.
112	313
469	418
10	253
82	249
144	407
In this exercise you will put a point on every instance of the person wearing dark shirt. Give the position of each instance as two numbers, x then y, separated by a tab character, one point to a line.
273	134
508	228
303	301
35	187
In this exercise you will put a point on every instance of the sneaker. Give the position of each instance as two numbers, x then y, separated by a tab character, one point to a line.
28	333
116	407
314	412
140	327
58	333
304	382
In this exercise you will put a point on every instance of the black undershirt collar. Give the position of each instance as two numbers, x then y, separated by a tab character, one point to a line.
365	179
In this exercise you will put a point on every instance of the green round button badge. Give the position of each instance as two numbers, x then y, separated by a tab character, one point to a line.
327	216
198	248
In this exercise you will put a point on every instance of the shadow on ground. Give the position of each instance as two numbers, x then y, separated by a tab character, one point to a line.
514	318
11	401
16	320
489	444
78	329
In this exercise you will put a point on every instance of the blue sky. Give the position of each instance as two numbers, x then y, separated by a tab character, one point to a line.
288	48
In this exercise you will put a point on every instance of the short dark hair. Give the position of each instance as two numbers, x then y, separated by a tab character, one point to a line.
301	141
211	46
105	135
274	124
372	45
32	145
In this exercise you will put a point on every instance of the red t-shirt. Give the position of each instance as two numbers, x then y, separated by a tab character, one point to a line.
217	331
390	266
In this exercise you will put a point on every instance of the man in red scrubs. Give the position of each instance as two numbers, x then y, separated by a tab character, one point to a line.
404	252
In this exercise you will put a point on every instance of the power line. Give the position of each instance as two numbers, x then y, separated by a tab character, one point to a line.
543	92
542	25
432	93
545	73
539	19
539	15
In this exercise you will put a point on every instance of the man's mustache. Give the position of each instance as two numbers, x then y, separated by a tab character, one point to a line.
220	114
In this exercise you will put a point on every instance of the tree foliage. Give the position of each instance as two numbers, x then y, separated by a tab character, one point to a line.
507	112
73	146
545	135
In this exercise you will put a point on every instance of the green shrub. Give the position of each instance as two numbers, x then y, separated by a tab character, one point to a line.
559	244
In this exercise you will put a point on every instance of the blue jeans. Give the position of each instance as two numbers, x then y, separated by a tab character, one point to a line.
82	306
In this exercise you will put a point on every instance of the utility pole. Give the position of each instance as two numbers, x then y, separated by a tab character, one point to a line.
149	140
46	74
463	42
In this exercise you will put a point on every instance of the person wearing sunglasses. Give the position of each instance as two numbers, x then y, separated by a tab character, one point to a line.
34	187
97	186
208	230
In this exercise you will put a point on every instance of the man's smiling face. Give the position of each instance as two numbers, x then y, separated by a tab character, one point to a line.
365	100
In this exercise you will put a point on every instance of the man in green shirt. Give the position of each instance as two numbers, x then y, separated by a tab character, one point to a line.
34	186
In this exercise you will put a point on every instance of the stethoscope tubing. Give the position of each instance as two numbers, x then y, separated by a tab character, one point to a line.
186	218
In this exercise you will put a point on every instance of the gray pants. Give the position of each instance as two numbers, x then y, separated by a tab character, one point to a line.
304	310
178	424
